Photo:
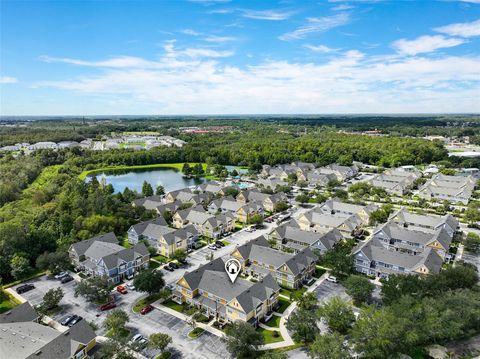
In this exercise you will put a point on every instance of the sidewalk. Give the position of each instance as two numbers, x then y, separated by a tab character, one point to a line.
14	294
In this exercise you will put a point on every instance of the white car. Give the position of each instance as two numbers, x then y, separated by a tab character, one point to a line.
139	339
213	247
332	279
130	286
61	275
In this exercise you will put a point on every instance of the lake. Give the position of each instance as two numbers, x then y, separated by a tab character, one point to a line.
169	178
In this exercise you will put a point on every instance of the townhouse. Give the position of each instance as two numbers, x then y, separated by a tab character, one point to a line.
290	237
164	239
103	256
425	223
289	270
212	226
248	210
268	201
186	195
23	337
317	220
373	259
396	237
342	173
395	181
336	207
150	203
210	289
456	189
224	205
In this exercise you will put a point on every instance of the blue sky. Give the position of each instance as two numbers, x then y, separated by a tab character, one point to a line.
239	57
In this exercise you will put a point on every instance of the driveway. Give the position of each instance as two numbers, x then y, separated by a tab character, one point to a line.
328	290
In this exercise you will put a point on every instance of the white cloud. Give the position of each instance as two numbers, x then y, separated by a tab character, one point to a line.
425	44
471	1
218	39
273	15
317	24
349	82
462	29
342	7
319	48
190	32
8	80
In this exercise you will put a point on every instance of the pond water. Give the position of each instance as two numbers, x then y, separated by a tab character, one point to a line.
170	178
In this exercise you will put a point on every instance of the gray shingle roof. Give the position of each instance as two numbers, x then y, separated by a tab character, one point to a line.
140	227
81	247
126	255
21	313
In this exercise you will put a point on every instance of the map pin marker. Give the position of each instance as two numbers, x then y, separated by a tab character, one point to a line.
233	267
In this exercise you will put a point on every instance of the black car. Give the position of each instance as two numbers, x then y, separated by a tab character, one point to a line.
219	243
66	279
75	320
24	288
167	267
67	319
173	265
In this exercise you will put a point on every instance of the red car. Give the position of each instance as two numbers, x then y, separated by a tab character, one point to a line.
122	289
146	309
108	306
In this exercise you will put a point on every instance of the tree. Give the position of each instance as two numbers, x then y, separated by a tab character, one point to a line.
302	198
231	191
115	322
147	189
256	219
303	325
243	340
380	215
180	255
51	299
112	348
400	284
54	262
472	213
472	243
274	355
307	301
359	288
20	266
159	341
341	194
149	281
337	314
94	289
160	190
329	346
339	259
234	173
186	169
280	206
168	216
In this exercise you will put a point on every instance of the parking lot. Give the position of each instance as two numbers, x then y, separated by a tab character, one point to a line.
328	290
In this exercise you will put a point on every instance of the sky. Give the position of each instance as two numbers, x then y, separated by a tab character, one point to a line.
216	57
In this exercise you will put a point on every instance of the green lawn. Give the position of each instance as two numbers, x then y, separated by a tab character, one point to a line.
153	265
177	166
195	333
319	272
164	355
268	336
284	303
182	308
160	258
274	321
226	242
288	291
143	302
126	244
7	302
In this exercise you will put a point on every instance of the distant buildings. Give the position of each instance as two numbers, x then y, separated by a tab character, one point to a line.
455	189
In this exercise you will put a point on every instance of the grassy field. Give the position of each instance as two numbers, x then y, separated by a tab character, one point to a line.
274	321
195	333
177	166
143	302
7	302
268	336
283	305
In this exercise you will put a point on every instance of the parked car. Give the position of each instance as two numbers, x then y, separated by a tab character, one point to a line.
167	267
130	276
332	279
108	306
130	286
139	339
121	289
173	265
213	247
66	279
24	288
170	287
61	275
146	309
65	320
219	243
75	320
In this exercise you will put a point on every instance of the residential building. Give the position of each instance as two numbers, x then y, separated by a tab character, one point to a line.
290	237
268	201
372	258
224	205
150	203
342	173
394	181
212	226
396	237
103	256
136	232
289	270
425	223
186	195
248	210
336	207
210	289
317	220
456	189
22	337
